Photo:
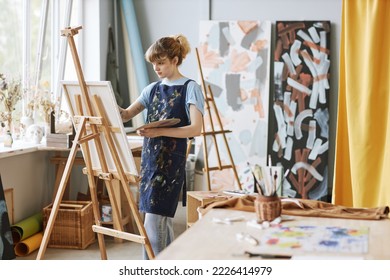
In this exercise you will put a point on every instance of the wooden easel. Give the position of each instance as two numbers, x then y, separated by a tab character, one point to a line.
90	128
209	98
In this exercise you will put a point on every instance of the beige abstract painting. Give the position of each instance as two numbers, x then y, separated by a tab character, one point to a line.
235	61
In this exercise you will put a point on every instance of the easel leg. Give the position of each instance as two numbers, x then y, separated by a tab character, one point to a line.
138	220
96	214
210	99
60	193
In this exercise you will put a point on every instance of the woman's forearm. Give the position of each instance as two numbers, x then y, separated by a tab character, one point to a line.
131	111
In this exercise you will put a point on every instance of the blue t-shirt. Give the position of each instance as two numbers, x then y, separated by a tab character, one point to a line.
194	94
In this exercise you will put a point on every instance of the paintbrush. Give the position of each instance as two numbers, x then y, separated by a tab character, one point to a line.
257	184
284	177
274	185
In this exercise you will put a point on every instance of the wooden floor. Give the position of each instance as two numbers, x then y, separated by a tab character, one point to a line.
115	251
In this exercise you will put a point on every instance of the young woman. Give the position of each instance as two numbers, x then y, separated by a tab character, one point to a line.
164	149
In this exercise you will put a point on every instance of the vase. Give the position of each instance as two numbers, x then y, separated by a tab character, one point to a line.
8	140
46	132
25	122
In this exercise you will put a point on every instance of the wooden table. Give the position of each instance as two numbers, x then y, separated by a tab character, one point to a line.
208	240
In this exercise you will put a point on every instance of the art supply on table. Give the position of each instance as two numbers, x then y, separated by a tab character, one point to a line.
258	178
274	177
236	192
281	181
263	256
227	220
242	236
268	205
268	180
268	208
254	224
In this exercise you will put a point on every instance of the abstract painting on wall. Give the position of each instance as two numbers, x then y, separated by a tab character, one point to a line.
300	134
235	62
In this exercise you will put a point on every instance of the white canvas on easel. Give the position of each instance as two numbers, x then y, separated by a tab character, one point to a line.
105	92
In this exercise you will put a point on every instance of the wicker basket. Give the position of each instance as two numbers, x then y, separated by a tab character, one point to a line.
73	225
268	208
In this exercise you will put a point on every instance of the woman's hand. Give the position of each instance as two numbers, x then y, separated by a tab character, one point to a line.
123	113
149	132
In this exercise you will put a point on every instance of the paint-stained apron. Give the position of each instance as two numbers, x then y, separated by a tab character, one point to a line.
163	158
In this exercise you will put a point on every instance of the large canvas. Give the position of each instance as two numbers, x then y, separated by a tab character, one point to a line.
106	94
300	134
235	60
6	242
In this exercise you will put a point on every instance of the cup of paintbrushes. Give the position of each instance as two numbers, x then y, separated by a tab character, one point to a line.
267	204
267	208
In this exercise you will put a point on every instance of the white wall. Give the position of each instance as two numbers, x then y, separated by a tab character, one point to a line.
97	17
29	175
158	18
32	176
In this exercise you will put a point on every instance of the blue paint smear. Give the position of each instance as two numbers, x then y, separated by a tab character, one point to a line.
329	243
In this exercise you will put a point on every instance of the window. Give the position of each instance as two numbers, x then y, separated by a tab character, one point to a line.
31	50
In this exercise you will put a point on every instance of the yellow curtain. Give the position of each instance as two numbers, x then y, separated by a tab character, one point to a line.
362	159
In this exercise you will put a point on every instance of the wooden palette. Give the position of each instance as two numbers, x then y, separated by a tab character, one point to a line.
161	123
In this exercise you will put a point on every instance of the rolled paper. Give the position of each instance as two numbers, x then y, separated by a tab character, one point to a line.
27	227
28	245
135	42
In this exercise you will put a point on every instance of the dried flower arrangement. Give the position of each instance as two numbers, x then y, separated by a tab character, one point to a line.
10	94
44	105
38	105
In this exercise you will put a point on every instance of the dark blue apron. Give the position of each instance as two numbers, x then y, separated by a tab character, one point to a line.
164	158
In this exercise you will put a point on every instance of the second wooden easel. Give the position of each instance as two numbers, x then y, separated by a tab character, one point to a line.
92	128
209	98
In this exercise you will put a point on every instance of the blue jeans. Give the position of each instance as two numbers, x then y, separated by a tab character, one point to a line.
160	232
